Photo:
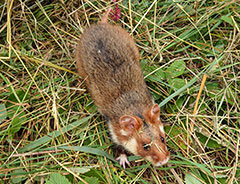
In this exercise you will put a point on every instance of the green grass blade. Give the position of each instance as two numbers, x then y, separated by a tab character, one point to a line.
49	137
86	149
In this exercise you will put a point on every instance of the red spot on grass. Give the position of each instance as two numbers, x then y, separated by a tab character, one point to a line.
115	13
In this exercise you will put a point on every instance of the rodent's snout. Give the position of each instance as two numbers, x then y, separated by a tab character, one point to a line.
161	158
160	163
158	160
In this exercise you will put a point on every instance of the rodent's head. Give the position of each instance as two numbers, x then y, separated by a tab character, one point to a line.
144	135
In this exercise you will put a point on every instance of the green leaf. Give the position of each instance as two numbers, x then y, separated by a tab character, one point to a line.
90	180
81	170
57	178
210	144
53	135
222	180
180	102
3	112
175	138
191	82
15	126
19	176
14	98
152	72
190	179
213	89
13	108
177	83
227	19
157	76
96	173
175	69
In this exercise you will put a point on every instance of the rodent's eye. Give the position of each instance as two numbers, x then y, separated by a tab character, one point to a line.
162	139
146	147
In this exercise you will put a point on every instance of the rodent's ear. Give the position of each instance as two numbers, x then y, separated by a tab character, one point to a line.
129	124
154	112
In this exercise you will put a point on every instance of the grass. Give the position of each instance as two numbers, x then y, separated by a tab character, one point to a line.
49	126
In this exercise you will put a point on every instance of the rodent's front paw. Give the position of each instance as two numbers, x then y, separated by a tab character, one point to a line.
123	160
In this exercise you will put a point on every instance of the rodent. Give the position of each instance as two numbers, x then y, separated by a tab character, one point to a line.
107	57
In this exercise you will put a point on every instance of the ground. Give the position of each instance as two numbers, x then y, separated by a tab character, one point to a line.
50	129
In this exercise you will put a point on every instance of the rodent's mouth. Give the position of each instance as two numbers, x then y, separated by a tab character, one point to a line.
162	162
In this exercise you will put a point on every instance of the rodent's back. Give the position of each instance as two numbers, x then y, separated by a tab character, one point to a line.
108	57
106	47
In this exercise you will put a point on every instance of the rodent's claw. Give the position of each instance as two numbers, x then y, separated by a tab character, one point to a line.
123	160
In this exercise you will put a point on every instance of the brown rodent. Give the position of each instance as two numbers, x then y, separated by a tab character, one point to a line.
108	59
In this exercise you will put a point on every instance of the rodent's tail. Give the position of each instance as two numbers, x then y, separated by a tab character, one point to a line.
105	16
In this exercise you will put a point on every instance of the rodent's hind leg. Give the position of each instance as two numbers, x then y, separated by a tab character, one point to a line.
79	63
81	70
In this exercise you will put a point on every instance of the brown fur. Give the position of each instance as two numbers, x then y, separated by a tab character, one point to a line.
108	59
114	76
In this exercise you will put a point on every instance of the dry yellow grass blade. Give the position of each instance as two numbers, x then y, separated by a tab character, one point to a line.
46	63
144	16
199	93
197	100
8	25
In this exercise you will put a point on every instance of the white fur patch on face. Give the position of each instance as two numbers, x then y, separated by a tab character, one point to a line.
149	158
131	145
114	137
123	132
161	128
